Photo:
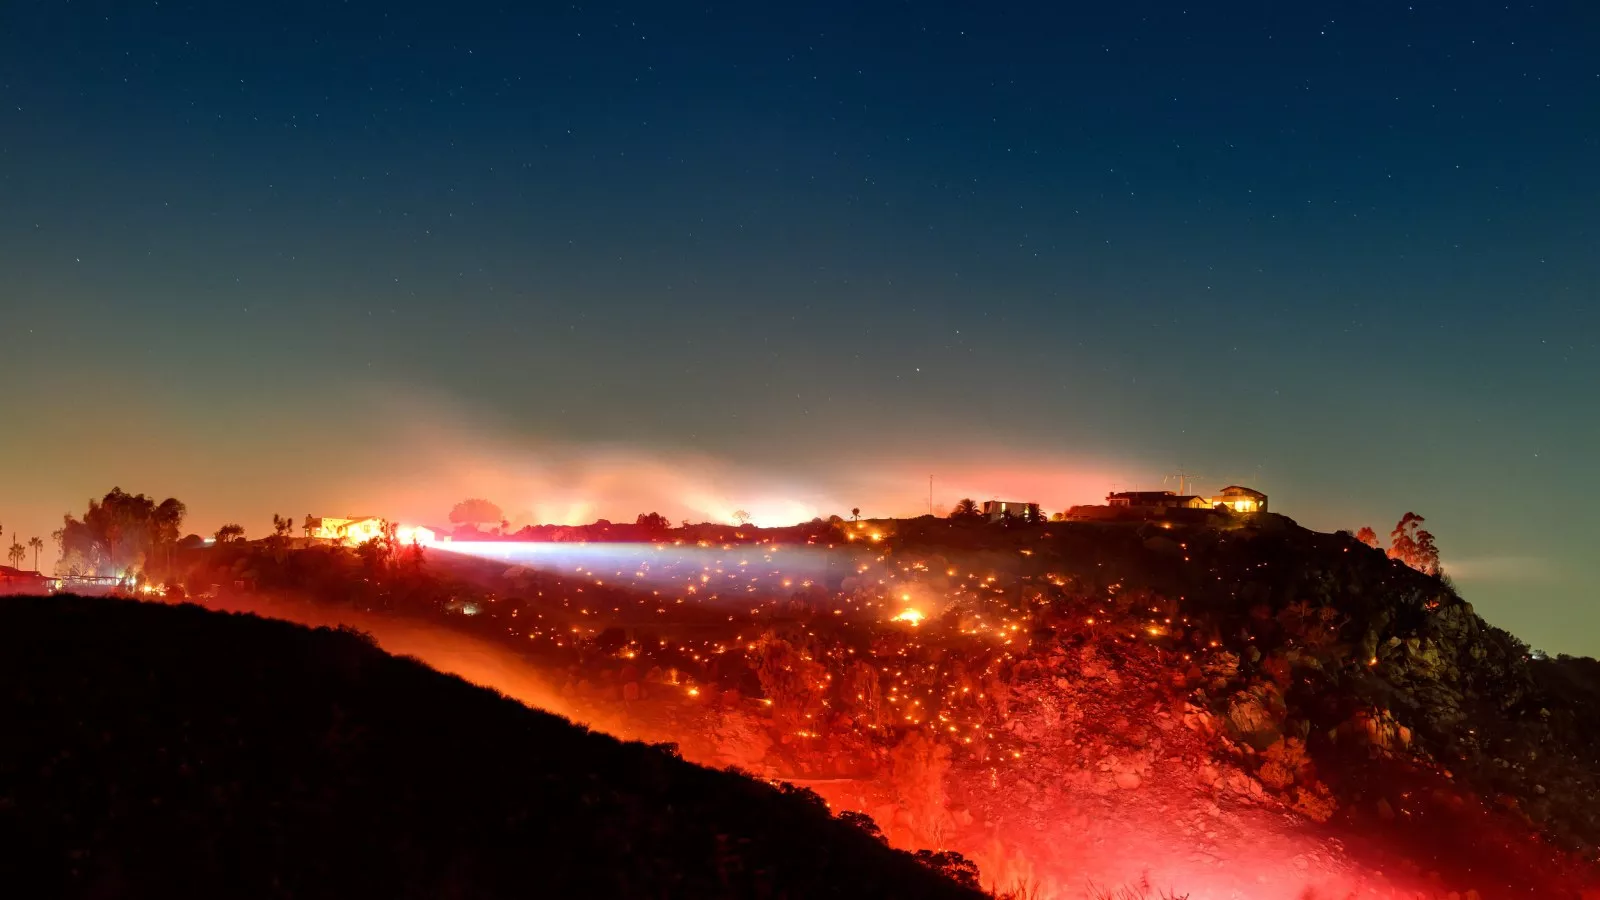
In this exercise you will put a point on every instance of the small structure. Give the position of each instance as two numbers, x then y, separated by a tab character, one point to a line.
995	510
416	534
1241	499
1156	500
17	581
357	530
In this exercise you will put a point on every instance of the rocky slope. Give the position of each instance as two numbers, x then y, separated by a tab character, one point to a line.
1235	705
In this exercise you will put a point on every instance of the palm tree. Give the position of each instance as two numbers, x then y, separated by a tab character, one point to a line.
855	514
966	508
17	553
37	544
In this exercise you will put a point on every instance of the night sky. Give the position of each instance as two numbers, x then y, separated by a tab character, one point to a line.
353	257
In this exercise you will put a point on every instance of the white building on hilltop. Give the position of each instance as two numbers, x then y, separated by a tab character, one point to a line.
356	530
995	510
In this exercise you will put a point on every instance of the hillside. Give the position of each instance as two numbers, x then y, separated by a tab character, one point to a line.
166	751
1234	706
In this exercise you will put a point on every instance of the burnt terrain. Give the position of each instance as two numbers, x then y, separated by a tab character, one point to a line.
1223	706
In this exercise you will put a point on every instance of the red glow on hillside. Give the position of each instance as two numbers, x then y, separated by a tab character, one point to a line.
1159	834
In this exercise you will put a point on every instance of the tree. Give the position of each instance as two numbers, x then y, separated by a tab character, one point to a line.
965	508
742	517
1413	545
229	533
375	553
862	694
120	532
476	511
36	544
855	514
17	553
794	681
281	525
951	865
864	822
653	522
1367	536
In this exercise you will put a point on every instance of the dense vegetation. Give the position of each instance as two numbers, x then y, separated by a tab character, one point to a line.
159	751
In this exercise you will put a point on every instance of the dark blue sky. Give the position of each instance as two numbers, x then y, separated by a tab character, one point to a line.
1350	252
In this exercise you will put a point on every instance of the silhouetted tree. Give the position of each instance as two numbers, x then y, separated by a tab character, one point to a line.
653	521
855	514
229	533
475	511
951	865
281	525
375	553
17	553
36	545
742	517
965	508
864	822
120	531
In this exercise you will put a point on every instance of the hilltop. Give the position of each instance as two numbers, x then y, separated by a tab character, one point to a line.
174	751
1229	704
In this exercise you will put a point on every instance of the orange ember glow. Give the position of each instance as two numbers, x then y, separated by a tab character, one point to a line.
1052	764
912	616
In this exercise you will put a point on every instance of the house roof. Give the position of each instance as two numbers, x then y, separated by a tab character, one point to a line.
1240	489
9	572
1144	498
345	520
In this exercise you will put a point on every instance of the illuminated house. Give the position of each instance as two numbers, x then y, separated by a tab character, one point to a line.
995	510
1156	500
1241	499
355	531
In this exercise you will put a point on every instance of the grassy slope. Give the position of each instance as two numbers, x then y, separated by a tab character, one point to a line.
173	751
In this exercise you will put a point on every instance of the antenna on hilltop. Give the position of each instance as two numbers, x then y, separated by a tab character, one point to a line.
1184	478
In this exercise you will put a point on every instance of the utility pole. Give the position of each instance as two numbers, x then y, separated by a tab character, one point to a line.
930	495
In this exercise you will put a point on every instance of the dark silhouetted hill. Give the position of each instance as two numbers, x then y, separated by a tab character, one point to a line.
157	751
